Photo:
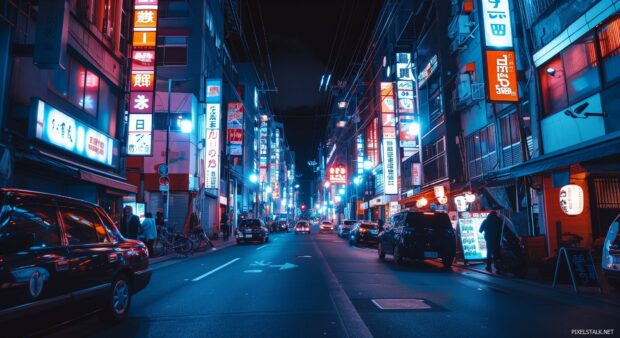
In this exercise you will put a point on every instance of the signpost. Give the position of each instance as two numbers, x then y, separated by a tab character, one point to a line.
581	268
472	241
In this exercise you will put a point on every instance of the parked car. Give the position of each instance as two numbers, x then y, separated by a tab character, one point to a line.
301	227
611	254
418	235
364	233
344	229
252	230
326	226
58	252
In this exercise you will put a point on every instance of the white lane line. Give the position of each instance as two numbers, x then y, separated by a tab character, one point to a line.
253	271
260	247
215	270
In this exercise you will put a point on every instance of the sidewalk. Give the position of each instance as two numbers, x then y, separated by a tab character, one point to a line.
534	278
218	245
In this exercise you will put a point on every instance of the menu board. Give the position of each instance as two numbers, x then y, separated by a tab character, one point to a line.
474	245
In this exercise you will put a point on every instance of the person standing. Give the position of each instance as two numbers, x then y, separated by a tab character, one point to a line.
130	223
149	232
492	228
224	227
159	220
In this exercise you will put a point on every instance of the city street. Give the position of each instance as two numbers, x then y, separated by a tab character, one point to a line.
318	286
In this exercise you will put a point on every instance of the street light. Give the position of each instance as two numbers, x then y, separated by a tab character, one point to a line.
341	191
327	184
357	180
368	165
268	189
296	186
253	178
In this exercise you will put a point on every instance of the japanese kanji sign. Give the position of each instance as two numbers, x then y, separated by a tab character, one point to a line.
502	76
61	130
142	85
338	174
212	146
497	23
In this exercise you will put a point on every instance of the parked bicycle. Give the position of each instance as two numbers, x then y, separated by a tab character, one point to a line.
200	241
168	242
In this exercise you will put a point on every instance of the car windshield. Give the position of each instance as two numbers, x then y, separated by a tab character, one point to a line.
368	226
250	223
327	223
302	224
348	222
428	220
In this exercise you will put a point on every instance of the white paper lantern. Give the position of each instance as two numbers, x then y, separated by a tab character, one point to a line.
470	198
571	199
461	203
422	202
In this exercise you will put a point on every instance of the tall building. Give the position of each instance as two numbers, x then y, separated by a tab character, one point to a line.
63	67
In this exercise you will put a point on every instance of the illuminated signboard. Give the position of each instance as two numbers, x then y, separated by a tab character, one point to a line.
404	85
212	147
139	135
142	79
63	131
360	153
502	76
427	71
390	166
235	128
214	91
474	245
276	177
338	174
387	97
408	130
263	151
497	23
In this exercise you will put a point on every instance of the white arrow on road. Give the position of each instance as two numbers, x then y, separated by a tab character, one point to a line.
285	266
260	263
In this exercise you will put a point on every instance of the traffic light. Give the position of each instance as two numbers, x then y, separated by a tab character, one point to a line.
303	207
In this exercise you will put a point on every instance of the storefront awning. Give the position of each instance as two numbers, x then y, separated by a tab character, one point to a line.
594	149
108	181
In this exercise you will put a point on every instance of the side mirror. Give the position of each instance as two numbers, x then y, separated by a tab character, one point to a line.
16	242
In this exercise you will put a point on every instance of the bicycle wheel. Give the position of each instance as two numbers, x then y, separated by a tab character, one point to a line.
182	245
159	249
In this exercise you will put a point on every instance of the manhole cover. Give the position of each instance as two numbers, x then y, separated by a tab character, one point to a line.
401	304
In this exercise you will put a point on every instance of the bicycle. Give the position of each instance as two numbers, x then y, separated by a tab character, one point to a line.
168	242
200	240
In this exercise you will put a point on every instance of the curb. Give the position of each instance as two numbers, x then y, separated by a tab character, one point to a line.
219	244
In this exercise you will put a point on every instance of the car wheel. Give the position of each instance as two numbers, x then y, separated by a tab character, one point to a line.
447	261
398	258
380	251
117	305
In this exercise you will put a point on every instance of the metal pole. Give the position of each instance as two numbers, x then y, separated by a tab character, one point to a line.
167	199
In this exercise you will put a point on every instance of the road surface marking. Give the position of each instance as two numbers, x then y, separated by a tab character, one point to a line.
275	239
215	270
260	247
305	256
260	263
284	266
253	271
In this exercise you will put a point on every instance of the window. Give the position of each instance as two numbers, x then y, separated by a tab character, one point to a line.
83	226
79	85
553	86
100	13
171	55
481	151
435	161
511	141
28	218
609	41
580	65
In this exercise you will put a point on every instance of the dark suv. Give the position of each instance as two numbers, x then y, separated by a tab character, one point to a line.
418	235
57	251
252	230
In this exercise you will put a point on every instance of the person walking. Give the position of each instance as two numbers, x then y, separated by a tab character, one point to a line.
130	223
149	232
224	227
492	228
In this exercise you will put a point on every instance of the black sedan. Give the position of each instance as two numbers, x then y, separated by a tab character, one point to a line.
252	230
364	233
56	252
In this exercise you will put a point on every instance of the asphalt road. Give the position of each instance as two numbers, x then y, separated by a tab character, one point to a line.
318	286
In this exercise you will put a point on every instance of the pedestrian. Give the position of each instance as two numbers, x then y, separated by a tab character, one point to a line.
149	232
380	224
159	220
130	223
492	228
224	227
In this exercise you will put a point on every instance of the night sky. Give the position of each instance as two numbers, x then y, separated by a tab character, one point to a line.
307	39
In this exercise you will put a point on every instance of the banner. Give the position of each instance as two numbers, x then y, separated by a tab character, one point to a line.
390	166
212	147
235	128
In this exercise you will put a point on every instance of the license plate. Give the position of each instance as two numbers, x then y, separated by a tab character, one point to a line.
430	254
374	232
248	236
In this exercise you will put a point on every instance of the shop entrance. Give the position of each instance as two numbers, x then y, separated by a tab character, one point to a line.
605	195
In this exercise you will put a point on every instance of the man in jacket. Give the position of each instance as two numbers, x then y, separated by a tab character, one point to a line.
492	228
130	223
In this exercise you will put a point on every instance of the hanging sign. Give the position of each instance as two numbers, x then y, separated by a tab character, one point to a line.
212	146
235	128
497	23
139	135
338	174
571	199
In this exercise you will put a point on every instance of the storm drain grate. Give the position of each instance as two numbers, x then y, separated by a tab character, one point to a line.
401	304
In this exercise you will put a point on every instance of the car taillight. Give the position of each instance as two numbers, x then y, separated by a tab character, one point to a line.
363	229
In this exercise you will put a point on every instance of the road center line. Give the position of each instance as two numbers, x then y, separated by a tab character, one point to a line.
260	247
215	270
